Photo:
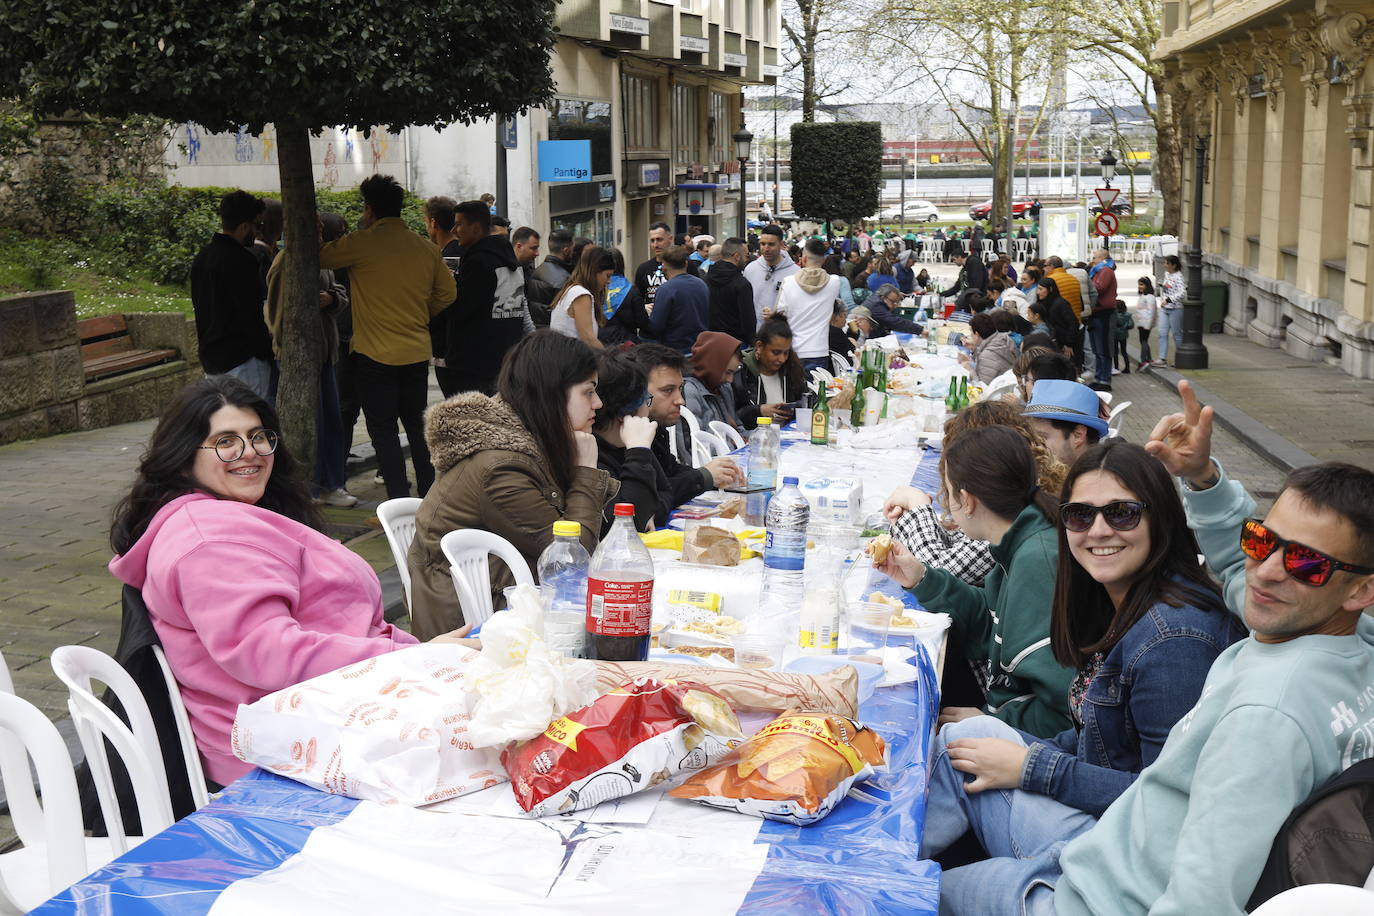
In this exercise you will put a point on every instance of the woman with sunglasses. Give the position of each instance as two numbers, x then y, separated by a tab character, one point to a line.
245	591
624	441
990	488
1141	622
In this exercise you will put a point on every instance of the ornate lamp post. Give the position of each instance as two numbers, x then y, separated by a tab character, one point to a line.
1108	163
1192	354
743	141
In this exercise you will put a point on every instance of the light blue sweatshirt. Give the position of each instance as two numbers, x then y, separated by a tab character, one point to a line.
1274	722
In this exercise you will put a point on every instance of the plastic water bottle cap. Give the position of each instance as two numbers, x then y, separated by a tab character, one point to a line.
789	481
624	509
765	421
568	529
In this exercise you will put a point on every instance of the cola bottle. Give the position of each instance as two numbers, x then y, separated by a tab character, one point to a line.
620	593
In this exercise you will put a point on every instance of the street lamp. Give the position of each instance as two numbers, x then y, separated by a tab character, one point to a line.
743	141
1108	163
1191	352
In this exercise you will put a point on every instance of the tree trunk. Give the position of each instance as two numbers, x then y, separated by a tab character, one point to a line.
1168	165
301	346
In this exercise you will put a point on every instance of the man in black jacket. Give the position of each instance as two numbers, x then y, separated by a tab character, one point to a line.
732	296
548	278
664	367
973	277
227	293
489	315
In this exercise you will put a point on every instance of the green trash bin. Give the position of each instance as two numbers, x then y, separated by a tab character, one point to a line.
1214	294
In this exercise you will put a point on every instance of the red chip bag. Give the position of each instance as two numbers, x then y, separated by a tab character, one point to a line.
630	739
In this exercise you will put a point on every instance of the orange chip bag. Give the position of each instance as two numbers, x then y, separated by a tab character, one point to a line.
795	770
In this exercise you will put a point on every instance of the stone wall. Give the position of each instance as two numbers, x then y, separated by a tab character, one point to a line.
43	389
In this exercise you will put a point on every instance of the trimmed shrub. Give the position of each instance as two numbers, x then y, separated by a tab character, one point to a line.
837	169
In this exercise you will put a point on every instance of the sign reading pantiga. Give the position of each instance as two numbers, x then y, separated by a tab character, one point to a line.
565	160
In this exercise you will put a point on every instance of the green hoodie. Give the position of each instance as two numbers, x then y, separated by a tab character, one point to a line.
1007	623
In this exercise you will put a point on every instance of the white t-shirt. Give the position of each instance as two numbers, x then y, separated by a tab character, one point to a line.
809	315
1144	312
561	319
772	388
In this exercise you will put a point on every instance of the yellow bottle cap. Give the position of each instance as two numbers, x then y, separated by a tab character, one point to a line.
765	421
567	529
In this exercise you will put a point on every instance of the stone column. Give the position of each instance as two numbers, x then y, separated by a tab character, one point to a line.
1282	152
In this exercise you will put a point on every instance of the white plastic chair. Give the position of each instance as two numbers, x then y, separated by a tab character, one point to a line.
398	523
693	424
136	743
190	754
727	434
710	443
839	362
56	853
468	553
1114	418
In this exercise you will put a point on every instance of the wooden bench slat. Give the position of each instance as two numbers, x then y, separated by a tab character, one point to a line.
125	362
103	326
108	347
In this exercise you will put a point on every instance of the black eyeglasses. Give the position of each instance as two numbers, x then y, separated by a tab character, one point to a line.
1121	515
1302	563
230	447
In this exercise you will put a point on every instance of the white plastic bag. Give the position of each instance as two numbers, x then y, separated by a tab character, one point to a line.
518	684
391	729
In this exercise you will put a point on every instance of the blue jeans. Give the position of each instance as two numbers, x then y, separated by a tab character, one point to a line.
1100	330
1023	833
1170	324
816	362
258	375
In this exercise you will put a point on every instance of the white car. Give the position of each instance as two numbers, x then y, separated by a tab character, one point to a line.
917	211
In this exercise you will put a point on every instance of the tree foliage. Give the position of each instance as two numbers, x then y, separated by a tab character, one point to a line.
299	64
814	55
837	169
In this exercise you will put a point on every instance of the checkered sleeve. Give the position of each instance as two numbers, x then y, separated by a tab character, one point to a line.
953	551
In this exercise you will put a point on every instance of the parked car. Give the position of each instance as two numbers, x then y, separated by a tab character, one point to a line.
1119	207
1019	206
917	211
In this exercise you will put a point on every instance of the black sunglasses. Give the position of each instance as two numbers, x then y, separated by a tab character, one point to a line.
1302	563
1122	515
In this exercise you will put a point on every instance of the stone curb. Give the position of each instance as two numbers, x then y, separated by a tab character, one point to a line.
1273	447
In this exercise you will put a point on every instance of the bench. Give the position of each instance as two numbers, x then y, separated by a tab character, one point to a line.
107	349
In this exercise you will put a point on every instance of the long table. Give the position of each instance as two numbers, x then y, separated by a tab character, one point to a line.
270	845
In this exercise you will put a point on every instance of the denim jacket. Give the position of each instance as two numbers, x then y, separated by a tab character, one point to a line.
1146	683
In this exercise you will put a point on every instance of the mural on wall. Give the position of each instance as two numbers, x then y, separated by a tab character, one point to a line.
246	160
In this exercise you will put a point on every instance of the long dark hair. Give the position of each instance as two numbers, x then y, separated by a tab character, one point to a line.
996	465
534	381
589	264
164	472
778	326
1083	619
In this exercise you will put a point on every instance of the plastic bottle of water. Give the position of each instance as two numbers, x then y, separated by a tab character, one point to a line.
784	548
763	471
563	587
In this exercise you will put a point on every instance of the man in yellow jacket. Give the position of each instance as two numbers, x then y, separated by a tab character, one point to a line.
399	282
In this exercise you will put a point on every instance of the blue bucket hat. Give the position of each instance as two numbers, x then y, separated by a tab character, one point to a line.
1057	399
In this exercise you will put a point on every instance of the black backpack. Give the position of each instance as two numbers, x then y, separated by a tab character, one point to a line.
1328	839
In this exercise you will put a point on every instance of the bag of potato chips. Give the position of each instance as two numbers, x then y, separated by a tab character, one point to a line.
795	770
630	739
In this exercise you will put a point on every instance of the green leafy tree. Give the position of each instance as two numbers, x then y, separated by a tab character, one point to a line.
837	169
300	65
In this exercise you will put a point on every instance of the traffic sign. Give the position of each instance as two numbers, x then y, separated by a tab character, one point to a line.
1107	223
1106	196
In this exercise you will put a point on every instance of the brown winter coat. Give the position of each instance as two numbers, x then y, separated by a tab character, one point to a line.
491	475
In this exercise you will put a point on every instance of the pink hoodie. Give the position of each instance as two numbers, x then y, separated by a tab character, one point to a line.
246	602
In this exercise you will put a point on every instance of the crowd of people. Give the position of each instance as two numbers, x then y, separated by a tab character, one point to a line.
1123	728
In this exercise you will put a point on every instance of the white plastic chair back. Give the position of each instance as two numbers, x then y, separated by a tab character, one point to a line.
727	434
1114	418
136	743
693	424
1327	899
840	362
54	852
190	755
710	444
398	523
468	551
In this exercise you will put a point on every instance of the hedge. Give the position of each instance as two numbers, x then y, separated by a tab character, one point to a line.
837	169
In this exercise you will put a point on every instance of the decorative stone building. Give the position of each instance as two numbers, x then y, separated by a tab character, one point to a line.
1280	94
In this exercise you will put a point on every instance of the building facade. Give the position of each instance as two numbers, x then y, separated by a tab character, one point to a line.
654	86
1279	96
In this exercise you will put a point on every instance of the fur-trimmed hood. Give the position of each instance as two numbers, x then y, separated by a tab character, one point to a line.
472	422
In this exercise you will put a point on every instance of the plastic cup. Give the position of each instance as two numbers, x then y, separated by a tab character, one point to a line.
804	420
865	627
508	593
753	651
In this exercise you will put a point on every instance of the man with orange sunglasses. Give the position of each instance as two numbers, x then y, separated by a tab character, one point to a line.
1281	712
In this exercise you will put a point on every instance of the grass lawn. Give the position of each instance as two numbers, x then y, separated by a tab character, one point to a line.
28	264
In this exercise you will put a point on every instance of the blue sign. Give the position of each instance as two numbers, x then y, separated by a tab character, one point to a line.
508	133
565	160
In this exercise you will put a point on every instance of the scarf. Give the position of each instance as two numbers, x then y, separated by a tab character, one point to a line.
616	291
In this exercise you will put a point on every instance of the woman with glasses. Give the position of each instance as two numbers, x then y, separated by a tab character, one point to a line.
245	591
1141	622
991	491
624	441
